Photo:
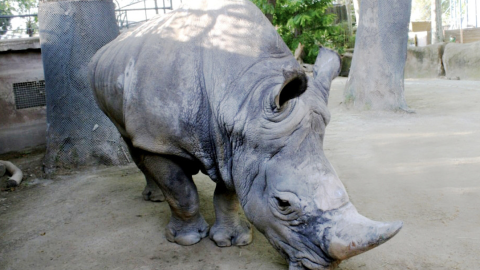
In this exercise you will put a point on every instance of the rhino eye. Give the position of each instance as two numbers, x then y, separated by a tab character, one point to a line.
282	203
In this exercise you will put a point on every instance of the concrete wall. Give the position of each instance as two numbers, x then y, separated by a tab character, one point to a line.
466	35
20	61
462	61
452	60
425	62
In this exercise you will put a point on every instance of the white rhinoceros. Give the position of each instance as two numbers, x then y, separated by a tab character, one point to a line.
211	86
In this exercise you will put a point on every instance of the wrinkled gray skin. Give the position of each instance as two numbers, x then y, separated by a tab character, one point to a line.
212	87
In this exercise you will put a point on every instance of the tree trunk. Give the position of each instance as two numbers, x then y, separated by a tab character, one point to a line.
348	5
437	31
270	16
78	133
376	78
356	6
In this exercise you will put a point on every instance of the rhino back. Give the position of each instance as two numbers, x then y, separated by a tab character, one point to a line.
175	82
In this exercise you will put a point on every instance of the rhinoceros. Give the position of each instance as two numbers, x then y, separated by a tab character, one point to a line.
212	87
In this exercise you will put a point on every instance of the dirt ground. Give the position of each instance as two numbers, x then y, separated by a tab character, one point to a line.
422	168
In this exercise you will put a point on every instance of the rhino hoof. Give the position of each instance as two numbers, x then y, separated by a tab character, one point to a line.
225	236
186	234
153	194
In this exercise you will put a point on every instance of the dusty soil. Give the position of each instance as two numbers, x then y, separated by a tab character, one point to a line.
422	168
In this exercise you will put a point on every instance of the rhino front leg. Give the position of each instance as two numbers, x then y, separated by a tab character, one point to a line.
229	229
187	226
152	191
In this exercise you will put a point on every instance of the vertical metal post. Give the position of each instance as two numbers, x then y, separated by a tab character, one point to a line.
145	6
476	14
455	14
451	15
461	22
466	7
461	14
156	7
164	7
126	18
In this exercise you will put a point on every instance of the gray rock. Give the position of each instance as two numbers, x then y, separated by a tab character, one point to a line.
307	67
462	61
425	62
346	64
2	170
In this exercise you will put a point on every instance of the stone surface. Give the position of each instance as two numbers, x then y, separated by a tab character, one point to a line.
425	62
19	44
2	170
20	128
346	64
462	60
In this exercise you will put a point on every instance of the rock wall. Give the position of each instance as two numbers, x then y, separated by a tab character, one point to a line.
425	62
452	60
20	63
462	61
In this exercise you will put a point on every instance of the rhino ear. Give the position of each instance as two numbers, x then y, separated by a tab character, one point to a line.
327	67
295	84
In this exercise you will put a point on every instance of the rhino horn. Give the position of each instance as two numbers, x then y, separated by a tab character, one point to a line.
355	234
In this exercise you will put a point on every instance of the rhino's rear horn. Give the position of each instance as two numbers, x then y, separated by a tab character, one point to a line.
355	234
295	84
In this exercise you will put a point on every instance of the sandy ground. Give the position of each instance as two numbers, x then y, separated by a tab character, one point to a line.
422	168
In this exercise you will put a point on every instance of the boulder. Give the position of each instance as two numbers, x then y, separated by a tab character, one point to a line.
2	170
346	63
462	60
425	62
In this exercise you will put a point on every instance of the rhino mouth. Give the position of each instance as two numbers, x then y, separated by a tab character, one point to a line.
304	255
308	264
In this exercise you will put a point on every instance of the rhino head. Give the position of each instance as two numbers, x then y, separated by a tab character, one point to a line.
295	197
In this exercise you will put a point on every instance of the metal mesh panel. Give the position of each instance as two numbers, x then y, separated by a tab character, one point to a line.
78	132
29	94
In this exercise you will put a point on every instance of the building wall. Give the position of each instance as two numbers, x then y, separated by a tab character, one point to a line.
20	61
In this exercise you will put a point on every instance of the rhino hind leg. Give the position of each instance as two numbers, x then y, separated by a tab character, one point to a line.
229	229
152	191
187	226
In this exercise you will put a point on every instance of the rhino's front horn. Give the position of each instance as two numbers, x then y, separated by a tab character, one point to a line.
354	234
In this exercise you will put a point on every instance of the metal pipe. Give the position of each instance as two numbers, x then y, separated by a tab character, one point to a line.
466	3
156	7
145	7
16	16
16	174
164	11
461	14
476	14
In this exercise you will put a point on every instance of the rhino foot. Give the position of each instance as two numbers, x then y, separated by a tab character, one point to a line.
237	235
153	194
186	233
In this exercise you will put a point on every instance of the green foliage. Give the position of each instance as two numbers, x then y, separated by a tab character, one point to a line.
5	9
11	7
306	22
